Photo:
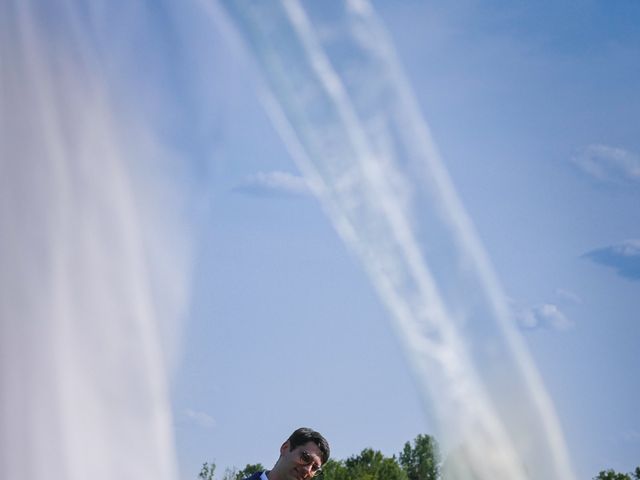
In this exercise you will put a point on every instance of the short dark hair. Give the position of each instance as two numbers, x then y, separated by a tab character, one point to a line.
304	435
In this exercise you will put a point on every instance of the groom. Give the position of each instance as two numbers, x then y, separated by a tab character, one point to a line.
301	457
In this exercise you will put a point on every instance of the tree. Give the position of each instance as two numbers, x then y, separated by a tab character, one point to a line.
368	465
249	470
334	470
373	465
391	470
422	460
207	471
613	475
230	473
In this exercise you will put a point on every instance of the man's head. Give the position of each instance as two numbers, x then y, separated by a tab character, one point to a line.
304	435
301	455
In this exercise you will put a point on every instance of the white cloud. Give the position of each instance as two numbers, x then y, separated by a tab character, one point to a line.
543	316
608	164
200	418
273	184
552	316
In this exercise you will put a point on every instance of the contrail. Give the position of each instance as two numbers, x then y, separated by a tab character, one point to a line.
83	375
341	103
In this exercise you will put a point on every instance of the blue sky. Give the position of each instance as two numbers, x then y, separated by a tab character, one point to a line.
534	110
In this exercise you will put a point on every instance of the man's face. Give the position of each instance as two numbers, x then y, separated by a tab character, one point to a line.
302	462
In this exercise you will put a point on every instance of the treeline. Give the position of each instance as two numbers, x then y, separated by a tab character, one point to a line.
418	460
613	475
209	469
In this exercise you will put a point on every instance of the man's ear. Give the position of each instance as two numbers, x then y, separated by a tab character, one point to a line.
284	448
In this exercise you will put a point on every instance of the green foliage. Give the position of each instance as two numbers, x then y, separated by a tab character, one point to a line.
334	470
390	470
207	471
422	460
368	465
613	475
249	470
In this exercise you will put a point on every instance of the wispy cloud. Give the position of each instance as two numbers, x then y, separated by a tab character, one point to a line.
624	257
333	132
545	316
200	418
631	436
273	184
567	297
608	164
